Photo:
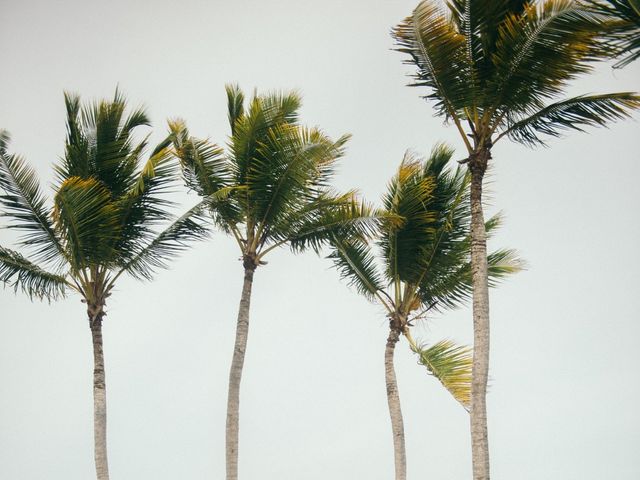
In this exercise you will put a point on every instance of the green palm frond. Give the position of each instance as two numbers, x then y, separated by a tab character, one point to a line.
448	283
573	114
292	167
204	166
439	52
622	39
251	129
539	50
451	365
87	221
356	263
345	218
235	103
100	143
24	205
169	243
407	197
32	280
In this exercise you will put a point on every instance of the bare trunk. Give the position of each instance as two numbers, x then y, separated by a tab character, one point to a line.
235	375
480	369
393	399
99	401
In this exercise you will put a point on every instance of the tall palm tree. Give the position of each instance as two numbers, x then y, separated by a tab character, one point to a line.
270	189
425	259
102	223
496	69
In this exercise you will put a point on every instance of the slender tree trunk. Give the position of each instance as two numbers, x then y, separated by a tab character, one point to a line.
99	401
235	375
393	399
480	369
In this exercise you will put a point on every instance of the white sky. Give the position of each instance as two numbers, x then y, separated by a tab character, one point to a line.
563	400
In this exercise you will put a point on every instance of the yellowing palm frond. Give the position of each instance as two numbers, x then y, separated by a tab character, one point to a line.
451	365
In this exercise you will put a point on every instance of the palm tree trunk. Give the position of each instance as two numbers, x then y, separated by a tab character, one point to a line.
393	399
99	401
235	375
480	369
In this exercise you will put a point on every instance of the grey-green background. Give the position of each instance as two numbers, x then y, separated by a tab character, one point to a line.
564	382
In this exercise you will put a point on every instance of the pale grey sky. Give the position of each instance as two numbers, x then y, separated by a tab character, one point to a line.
563	400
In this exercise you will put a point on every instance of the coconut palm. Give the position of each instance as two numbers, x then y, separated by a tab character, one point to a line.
269	190
425	269
106	207
497	69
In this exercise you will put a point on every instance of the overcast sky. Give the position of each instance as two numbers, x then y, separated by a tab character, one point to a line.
564	388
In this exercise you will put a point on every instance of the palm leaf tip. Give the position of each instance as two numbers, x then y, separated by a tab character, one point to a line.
451	365
21	274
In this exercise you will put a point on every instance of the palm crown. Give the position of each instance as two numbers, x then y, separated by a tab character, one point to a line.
420	261
497	67
272	185
106	207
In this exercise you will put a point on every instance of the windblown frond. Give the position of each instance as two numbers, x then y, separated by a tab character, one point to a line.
439	52
24	275
168	244
573	114
451	365
87	221
24	204
356	263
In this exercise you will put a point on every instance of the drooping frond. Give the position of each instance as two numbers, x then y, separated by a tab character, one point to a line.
356	263
573	114
21	274
169	243
87	221
451	365
439	52
24	204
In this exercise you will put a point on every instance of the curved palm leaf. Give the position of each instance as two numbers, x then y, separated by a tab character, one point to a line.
24	275
24	205
451	365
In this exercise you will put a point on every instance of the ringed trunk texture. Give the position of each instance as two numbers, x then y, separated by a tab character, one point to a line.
235	374
393	399
480	368
99	401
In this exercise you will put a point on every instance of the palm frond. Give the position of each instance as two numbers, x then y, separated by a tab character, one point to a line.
24	205
88	222
169	243
573	114
21	274
439	52
235	103
293	165
539	51
356	263
451	365
622	37
336	217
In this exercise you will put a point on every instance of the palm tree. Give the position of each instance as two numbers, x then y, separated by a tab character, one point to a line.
106	206
269	190
496	69
624	23
425	256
